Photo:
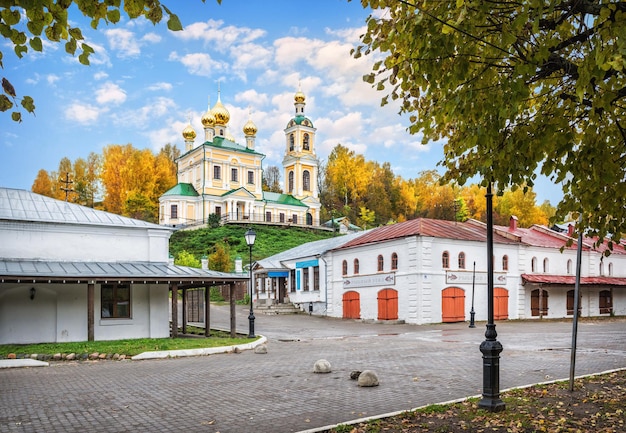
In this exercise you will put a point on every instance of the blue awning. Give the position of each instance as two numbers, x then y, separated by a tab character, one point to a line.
275	274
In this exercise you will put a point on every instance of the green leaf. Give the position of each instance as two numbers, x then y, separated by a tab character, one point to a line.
173	24
35	44
5	103
16	116
70	46
28	103
20	50
113	15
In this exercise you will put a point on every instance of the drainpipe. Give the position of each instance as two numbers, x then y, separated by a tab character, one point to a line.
325	283
203	181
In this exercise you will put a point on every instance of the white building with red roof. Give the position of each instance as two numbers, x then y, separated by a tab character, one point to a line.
429	271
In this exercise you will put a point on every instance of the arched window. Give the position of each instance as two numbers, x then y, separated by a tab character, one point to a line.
394	261
344	268
505	262
305	142
610	269
533	264
290	189
356	266
546	268
569	266
381	263
306	180
461	260
445	260
601	269
291	142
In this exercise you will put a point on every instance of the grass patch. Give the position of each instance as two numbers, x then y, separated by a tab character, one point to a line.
130	347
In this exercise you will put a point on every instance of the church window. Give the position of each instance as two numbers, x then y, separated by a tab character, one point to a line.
291	142
461	260
281	217
233	175
294	219
546	268
445	260
217	172
174	211
290	189
306	180
218	211
533	264
505	263
250	177
569	266
305	142
356	266
344	268
394	262
610	269
381	263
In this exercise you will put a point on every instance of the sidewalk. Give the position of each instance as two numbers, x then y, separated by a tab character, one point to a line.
278	391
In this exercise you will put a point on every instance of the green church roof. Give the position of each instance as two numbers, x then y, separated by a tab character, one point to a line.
185	189
287	199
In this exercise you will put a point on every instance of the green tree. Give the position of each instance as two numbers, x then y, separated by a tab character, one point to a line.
185	258
29	25
515	88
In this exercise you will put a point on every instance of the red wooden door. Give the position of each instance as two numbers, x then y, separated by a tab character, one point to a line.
388	304
351	305
452	305
500	303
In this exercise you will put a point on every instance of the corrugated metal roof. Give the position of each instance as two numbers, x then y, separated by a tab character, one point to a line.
571	280
22	205
137	271
310	249
466	231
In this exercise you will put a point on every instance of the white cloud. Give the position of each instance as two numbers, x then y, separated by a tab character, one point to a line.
199	64
123	41
220	38
100	75
160	86
151	37
82	113
250	56
110	93
252	98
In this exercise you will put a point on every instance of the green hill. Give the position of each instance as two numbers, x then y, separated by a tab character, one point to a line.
269	240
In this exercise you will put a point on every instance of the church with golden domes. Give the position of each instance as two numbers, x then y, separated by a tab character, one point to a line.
224	178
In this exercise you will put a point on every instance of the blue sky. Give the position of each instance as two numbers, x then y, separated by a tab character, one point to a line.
145	82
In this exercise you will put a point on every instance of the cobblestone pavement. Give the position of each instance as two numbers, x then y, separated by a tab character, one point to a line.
278	391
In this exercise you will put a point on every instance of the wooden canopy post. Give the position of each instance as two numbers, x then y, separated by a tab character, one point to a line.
207	312
90	311
174	288
233	311
184	311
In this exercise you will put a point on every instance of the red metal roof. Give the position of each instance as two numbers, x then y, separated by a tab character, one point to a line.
467	231
571	280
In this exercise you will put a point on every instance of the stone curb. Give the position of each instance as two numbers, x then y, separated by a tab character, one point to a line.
14	363
197	352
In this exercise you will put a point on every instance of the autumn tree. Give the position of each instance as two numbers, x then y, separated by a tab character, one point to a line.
219	259
271	179
185	258
43	184
28	25
515	89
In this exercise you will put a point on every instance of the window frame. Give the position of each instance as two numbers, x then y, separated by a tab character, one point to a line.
394	261
344	268
116	300
381	263
234	174
250	177
174	211
505	262
461	260
306	180
217	172
445	260
356	267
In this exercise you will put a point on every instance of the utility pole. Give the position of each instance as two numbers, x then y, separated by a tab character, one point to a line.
67	183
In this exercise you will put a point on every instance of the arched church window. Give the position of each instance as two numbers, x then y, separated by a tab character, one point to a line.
306	180
291	142
290	189
305	142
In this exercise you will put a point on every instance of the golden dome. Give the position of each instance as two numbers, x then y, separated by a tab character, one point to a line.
299	97
222	116
250	128
189	133
208	119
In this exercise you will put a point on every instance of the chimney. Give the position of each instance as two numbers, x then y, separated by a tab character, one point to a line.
570	230
205	262
513	223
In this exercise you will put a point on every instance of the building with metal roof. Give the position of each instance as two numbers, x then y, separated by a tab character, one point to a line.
72	273
430	271
224	178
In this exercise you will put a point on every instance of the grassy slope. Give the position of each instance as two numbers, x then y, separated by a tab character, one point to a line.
270	240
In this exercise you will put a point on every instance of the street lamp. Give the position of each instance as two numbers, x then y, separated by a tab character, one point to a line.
250	238
491	347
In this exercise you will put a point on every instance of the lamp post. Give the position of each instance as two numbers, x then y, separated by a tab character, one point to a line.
491	347
472	312
250	238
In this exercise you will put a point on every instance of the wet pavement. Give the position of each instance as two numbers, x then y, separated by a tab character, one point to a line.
278	391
